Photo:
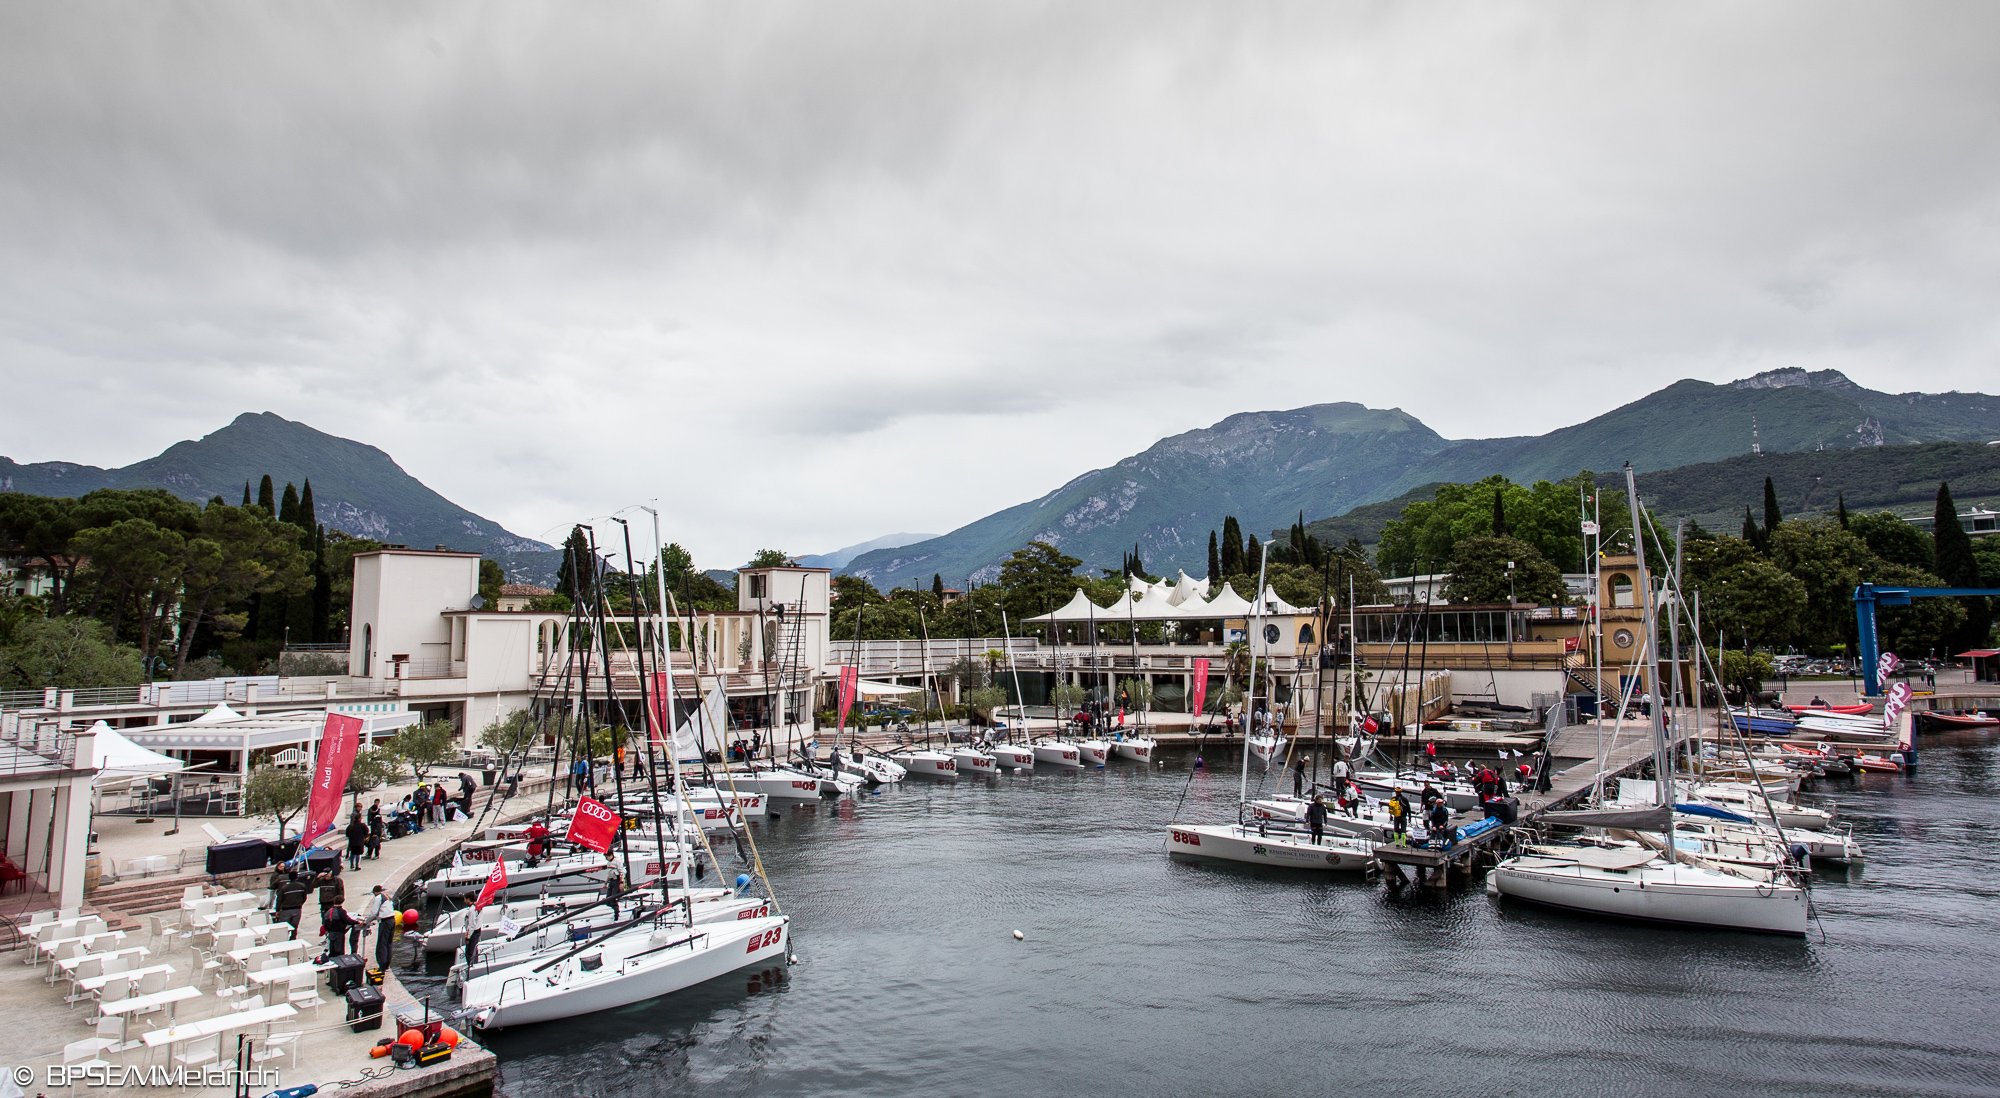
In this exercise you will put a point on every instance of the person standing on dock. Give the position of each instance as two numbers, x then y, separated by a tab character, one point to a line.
1299	777
1316	819
1399	818
379	913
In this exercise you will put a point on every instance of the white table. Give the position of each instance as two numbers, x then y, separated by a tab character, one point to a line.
51	947
69	965
283	975
93	983
243	958
139	1003
221	1023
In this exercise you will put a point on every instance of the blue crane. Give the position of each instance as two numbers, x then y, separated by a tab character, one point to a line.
1868	596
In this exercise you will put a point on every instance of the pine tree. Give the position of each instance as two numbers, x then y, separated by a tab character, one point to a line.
1214	558
1500	527
1771	516
288	505
267	497
1232	546
308	513
1840	511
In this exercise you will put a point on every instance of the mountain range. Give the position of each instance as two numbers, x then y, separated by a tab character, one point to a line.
1328	459
356	487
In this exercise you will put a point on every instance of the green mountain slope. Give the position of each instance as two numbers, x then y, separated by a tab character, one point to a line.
1903	479
1266	467
1321	458
356	487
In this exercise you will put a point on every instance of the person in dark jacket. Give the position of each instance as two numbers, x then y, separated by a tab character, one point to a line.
338	927
290	899
1316	818
1299	776
1440	823
375	829
332	890
357	841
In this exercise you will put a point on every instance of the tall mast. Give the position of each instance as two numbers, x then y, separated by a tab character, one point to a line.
1243	791
1020	705
1662	754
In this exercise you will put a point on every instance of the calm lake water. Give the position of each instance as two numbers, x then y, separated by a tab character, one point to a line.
1143	975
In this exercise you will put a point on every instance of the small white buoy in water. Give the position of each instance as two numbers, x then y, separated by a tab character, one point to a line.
1018	935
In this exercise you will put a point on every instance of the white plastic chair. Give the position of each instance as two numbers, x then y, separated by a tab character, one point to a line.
276	1045
190	894
248	1002
195	1054
83	1053
304	992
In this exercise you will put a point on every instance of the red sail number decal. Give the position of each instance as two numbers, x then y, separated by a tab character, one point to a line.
1187	838
768	938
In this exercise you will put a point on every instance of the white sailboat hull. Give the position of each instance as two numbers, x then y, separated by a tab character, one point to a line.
1679	894
632	968
1243	844
929	764
1138	750
976	763
1058	753
495	955
1094	752
1266	748
786	784
1011	757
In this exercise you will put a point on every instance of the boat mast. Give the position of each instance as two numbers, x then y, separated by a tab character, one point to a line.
1020	705
1663	755
1243	791
1597	628
930	684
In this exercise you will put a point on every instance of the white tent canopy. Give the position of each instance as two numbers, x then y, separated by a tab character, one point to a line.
1189	588
118	760
1275	605
218	715
1077	608
1226	604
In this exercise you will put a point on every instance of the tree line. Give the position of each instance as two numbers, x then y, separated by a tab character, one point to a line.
144	584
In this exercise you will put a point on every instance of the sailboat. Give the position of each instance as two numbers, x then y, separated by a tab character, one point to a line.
1262	843
1664	884
644	960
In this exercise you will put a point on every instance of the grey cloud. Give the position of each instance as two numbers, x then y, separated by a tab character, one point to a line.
560	258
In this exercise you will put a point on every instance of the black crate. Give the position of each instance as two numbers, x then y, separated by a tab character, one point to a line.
364	1008
348	972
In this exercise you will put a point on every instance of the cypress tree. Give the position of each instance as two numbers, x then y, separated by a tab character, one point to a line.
1500	527
1840	511
937	585
246	493
1771	516
1138	566
1253	556
267	498
1214	557
1750	532
1232	546
1956	565
288	506
308	513
322	596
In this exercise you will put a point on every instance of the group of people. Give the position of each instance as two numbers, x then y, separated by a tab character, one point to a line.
344	931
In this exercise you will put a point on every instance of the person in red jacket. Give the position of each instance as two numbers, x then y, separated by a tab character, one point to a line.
538	833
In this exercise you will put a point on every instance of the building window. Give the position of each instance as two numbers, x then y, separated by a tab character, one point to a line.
757	587
1621	591
367	650
1306	633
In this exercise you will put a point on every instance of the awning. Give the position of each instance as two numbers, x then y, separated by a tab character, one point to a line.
1978	653
118	760
870	689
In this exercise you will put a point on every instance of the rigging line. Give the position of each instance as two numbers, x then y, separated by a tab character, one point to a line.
729	776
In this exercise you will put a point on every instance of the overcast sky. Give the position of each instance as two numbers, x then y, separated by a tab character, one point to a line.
815	272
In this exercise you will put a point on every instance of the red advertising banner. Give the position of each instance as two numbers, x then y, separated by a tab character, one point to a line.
1200	688
594	825
337	744
850	680
496	883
